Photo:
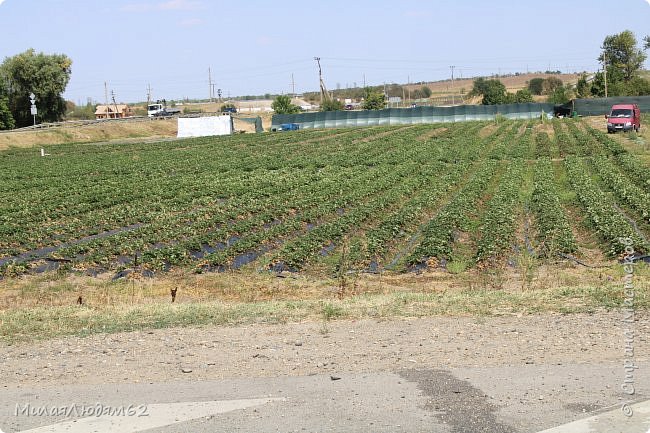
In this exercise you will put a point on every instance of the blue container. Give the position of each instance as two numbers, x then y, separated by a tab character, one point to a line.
290	126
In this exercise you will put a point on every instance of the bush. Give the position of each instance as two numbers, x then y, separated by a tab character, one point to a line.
373	100
282	105
332	105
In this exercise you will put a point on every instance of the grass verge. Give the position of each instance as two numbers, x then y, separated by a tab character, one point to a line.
45	322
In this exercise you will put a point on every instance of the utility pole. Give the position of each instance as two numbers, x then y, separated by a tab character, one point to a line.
408	79
324	95
114	103
453	97
364	81
148	93
106	97
293	87
605	70
210	83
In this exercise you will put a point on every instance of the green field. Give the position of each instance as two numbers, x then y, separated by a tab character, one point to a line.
460	196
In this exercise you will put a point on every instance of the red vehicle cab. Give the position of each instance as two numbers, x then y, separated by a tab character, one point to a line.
623	117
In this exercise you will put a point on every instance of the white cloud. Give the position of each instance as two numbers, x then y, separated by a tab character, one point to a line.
169	5
191	22
419	14
179	5
2	1
264	40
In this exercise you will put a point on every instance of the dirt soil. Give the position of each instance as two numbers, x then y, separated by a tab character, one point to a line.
296	349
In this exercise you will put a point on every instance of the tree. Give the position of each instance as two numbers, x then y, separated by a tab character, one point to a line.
637	86
646	43
493	91
6	119
426	91
332	105
598	85
583	89
536	86
550	84
621	54
523	95
282	105
44	75
560	95
373	100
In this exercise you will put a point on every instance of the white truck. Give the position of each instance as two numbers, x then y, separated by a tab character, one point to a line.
160	109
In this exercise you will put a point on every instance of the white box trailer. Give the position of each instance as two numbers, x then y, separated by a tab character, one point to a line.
204	126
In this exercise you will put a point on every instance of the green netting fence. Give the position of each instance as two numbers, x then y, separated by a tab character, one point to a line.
602	106
409	116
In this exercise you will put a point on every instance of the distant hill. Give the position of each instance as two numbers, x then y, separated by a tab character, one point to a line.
443	90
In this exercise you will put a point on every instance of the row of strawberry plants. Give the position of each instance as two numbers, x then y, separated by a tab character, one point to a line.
466	148
294	254
586	145
252	232
438	234
603	216
268	211
159	212
523	144
389	229
89	193
505	136
498	223
91	190
543	145
635	169
629	163
553	230
249	210
565	142
623	186
611	146
165	199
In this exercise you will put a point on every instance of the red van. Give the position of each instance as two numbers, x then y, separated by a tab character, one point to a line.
623	117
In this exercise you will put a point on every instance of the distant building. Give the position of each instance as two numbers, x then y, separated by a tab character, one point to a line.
113	111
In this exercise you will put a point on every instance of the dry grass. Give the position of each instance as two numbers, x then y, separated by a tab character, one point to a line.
161	128
111	131
35	307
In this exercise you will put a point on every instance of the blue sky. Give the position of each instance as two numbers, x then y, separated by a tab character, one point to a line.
254	46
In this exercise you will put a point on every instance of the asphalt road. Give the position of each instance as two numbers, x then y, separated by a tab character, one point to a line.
500	399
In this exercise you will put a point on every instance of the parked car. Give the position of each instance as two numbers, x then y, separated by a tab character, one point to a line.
623	117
